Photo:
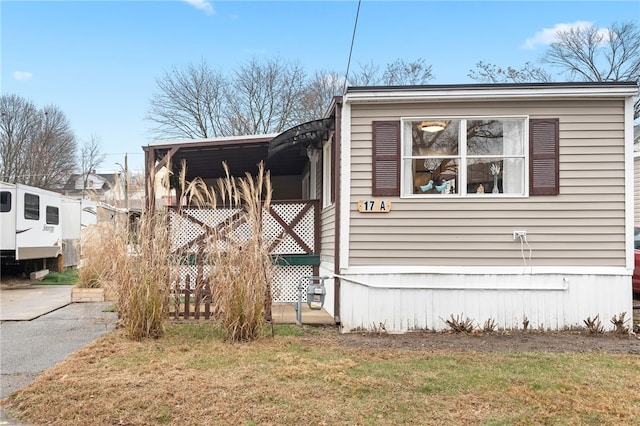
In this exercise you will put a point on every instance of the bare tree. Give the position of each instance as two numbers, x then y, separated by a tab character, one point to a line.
367	75
318	94
37	147
490	73
198	102
17	121
265	97
397	73
401	72
91	157
189	104
590	54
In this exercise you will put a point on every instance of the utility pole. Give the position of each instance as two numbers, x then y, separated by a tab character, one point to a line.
125	170
126	183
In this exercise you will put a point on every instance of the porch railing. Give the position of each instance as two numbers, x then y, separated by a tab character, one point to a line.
290	229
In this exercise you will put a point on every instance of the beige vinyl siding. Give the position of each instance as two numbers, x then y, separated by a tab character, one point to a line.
327	234
583	226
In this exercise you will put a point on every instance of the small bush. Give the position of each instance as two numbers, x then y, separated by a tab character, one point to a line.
594	325
458	325
489	326
620	324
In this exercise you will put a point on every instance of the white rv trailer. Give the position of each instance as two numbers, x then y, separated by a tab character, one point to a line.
31	225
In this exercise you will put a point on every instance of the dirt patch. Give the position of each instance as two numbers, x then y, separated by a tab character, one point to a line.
13	280
497	342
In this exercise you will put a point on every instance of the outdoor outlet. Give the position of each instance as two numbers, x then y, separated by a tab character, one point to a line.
519	235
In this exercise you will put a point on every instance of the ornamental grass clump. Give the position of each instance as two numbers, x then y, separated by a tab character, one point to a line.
141	275
238	259
136	270
95	268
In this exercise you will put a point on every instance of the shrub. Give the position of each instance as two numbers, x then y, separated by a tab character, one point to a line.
594	325
459	325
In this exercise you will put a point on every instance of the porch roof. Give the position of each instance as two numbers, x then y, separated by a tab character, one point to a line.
302	136
204	157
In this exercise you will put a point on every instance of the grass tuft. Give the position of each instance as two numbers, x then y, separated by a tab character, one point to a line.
68	277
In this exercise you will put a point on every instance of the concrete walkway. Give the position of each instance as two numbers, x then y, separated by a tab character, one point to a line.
39	327
27	302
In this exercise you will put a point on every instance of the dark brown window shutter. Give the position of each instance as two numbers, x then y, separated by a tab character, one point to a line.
386	158
544	156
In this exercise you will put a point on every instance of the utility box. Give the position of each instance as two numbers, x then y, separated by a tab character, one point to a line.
316	293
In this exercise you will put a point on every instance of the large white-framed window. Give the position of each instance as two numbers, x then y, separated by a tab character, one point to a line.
464	156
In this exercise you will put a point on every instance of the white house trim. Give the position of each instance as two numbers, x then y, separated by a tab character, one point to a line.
482	270
629	181
520	92
345	186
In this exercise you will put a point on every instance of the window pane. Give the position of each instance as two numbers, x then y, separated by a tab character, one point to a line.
435	143
31	207
495	137
53	217
495	175
5	201
434	176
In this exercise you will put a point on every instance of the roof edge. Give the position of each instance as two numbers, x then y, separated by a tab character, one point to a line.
490	91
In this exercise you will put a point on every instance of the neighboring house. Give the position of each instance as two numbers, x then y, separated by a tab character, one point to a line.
508	202
108	188
98	185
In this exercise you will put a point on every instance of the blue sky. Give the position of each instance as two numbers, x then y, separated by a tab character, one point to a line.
98	60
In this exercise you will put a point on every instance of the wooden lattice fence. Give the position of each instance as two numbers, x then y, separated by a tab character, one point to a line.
290	229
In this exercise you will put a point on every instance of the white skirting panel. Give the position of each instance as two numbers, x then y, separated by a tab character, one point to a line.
415	302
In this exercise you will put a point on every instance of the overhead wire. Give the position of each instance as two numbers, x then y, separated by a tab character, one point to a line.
353	37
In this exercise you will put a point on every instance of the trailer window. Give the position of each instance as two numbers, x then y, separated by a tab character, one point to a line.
31	207
53	218
5	201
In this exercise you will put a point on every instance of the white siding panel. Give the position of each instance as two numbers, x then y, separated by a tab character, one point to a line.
549	302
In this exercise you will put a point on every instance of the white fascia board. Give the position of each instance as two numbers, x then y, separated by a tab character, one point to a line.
488	93
629	179
345	185
220	139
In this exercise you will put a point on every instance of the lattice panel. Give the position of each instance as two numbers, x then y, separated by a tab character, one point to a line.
304	228
183	231
186	231
271	228
284	286
285	283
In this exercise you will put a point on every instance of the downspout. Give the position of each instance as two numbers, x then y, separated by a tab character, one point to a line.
336	182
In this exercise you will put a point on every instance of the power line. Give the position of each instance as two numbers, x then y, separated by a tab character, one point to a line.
353	37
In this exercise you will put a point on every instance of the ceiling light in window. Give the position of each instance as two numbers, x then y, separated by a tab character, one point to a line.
433	126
